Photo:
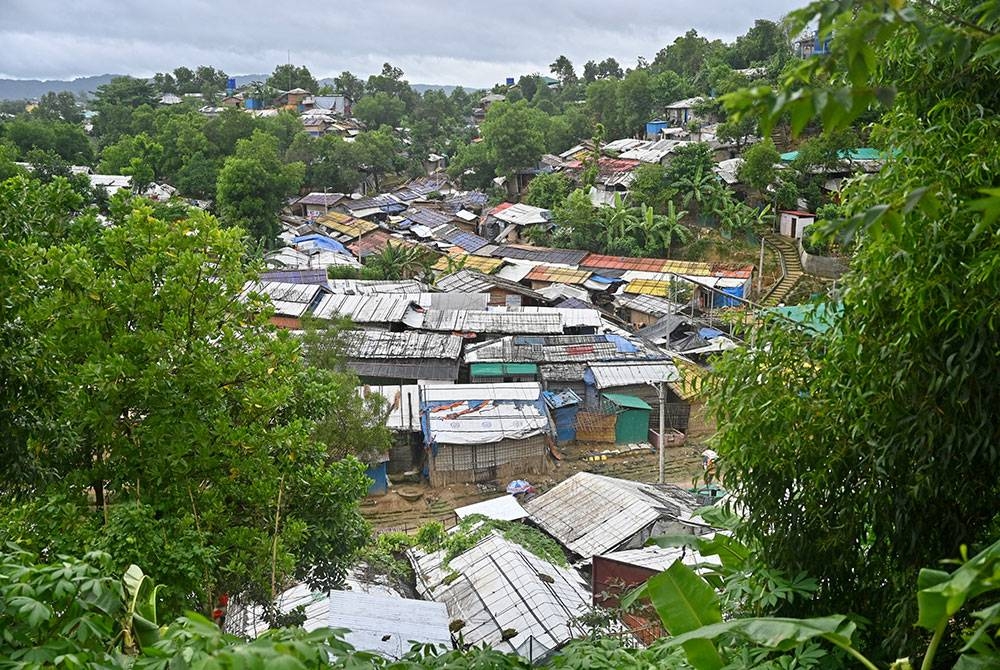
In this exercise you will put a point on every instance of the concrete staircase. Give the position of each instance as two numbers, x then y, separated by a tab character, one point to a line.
791	267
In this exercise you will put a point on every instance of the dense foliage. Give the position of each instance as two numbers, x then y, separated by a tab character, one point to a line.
869	450
151	411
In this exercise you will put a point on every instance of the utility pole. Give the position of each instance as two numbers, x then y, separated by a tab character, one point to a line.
760	268
660	391
661	396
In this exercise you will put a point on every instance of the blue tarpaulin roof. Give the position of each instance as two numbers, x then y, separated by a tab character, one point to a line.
323	242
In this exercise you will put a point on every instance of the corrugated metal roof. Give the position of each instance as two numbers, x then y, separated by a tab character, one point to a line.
491	322
374	242
287	299
574	303
428	217
603	262
470	281
388	626
468	241
298	276
466	200
612	375
571	318
483	264
436	369
370	286
504	508
563	372
379	623
502	587
647	304
555	348
346	224
521	214
326	199
378	308
548	273
686	103
380	344
591	514
541	254
661	558
453	300
648	287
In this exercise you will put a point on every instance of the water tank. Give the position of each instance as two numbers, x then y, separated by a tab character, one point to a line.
510	81
231	84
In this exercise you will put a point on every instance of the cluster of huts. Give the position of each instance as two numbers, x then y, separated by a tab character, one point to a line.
503	592
479	389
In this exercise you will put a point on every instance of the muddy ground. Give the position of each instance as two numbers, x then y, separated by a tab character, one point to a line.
393	512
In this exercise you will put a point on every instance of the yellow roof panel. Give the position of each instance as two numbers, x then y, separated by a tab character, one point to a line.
649	287
484	264
346	224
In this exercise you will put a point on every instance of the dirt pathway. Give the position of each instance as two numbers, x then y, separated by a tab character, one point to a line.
393	512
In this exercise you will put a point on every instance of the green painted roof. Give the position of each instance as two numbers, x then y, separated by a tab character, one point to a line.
861	154
816	317
629	401
502	369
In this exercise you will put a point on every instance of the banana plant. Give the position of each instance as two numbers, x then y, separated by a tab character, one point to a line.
689	607
139	625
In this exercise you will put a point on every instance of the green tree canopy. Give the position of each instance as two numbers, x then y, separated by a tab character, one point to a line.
881	432
253	184
168	398
514	134
380	109
287	76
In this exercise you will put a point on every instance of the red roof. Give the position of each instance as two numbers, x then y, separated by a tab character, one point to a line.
374	242
797	212
623	263
501	207
732	271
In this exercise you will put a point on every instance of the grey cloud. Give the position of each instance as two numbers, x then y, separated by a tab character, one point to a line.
470	43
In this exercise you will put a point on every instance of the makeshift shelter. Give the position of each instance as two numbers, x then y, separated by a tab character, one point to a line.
640	379
484	432
376	621
500	594
632	417
564	406
592	514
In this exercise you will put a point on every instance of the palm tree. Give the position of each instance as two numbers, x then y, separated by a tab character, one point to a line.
661	231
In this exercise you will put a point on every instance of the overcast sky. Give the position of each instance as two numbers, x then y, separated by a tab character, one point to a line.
434	41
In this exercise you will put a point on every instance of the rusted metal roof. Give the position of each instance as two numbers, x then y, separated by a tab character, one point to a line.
374	242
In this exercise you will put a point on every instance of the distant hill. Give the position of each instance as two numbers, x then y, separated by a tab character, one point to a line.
27	89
